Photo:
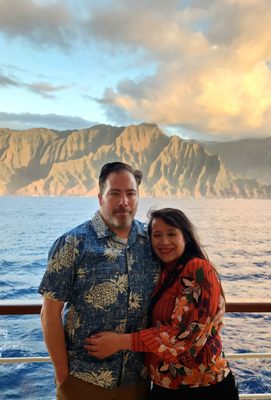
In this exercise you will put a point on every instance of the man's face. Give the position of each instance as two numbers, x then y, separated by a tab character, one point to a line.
118	202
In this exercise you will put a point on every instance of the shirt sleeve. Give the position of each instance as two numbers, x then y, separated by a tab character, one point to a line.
60	273
191	322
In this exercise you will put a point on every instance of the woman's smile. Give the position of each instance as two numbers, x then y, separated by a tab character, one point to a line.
167	242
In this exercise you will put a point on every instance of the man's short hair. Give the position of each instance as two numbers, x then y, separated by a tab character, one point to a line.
117	166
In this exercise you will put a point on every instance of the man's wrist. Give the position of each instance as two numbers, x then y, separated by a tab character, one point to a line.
61	372
61	377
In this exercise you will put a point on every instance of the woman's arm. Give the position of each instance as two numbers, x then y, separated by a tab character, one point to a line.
192	321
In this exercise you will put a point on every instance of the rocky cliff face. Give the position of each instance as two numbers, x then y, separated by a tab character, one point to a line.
250	158
45	162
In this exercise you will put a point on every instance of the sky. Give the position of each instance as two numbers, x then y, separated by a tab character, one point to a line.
200	69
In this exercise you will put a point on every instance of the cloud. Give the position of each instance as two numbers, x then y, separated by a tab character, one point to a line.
43	23
15	69
212	58
43	89
113	112
154	26
209	78
53	121
5	81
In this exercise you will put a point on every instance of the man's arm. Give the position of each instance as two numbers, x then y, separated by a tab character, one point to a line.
54	337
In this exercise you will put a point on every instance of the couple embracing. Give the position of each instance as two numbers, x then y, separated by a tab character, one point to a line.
125	305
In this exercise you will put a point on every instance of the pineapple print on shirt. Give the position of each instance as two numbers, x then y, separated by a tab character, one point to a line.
105	294
106	284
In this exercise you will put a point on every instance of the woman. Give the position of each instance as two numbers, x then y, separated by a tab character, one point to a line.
183	347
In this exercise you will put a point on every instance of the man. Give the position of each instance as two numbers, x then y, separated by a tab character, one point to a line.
103	273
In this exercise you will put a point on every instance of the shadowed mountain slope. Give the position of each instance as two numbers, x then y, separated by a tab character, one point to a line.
250	158
45	162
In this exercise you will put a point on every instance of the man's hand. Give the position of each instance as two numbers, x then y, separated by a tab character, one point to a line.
105	344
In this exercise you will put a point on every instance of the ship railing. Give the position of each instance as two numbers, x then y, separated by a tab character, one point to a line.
26	307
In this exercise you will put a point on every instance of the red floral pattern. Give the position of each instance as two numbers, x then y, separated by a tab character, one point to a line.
184	347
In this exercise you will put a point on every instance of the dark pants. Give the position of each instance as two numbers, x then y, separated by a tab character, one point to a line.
224	390
77	389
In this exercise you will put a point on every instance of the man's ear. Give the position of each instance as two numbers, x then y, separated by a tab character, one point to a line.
100	197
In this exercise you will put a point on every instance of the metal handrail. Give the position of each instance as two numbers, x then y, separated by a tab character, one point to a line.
23	307
34	307
21	360
13	360
255	396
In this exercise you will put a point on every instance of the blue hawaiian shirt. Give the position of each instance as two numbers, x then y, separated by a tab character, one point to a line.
106	283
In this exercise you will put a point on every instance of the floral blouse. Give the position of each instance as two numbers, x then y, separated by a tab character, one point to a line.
184	346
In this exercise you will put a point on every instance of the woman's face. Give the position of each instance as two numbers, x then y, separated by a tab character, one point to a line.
167	241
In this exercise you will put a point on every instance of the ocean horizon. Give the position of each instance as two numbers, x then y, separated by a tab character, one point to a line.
234	233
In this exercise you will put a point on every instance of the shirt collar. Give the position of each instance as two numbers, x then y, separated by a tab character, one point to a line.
102	230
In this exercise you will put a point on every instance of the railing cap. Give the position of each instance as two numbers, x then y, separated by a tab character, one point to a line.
33	306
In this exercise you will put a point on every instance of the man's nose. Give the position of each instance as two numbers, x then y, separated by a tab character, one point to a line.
123	200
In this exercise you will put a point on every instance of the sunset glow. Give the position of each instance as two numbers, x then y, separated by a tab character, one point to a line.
198	68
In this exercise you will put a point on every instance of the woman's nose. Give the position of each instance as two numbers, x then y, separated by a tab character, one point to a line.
164	240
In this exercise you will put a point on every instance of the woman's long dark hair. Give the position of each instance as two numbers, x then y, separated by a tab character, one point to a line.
177	219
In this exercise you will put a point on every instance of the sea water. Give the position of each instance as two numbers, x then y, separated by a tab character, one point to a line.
235	233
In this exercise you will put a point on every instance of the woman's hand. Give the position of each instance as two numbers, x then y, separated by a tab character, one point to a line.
218	318
105	344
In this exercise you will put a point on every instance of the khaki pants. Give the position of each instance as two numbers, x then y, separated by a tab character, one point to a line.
77	389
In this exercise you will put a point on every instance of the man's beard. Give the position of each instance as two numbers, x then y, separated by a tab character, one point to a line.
123	219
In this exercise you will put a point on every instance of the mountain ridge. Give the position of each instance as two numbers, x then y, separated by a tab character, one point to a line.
249	158
46	162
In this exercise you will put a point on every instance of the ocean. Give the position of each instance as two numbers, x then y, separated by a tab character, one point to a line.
235	233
